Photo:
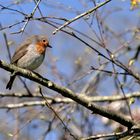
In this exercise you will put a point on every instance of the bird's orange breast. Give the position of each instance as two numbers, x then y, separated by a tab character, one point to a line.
40	48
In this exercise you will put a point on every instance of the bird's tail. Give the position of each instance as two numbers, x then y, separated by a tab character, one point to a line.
10	83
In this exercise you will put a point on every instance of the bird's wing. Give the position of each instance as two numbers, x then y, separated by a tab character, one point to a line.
21	51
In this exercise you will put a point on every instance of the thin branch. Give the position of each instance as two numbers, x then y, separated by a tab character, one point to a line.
35	1
37	4
109	72
70	94
110	136
67	100
10	26
80	16
7	45
127	102
23	104
132	133
28	17
56	114
7	8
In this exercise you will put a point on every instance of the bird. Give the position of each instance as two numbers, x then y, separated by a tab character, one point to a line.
29	55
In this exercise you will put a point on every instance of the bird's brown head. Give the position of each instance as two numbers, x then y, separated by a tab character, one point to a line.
42	40
41	43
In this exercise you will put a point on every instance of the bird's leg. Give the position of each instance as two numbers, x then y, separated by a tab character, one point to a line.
12	78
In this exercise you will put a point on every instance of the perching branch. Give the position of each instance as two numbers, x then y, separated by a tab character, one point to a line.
70	94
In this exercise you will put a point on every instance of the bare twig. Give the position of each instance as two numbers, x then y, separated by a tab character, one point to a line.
81	15
109	72
7	45
35	1
28	17
57	115
67	100
27	122
7	8
12	25
110	136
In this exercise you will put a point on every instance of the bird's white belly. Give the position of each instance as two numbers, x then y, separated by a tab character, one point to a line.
30	61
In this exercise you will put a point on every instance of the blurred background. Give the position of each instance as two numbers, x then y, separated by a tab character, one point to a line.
112	31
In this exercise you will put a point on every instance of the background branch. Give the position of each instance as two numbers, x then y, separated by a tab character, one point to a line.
80	16
112	98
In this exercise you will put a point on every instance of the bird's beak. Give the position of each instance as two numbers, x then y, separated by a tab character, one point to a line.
49	46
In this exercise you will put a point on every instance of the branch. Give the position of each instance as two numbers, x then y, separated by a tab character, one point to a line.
134	132
112	98
7	8
70	94
57	100
81	15
23	104
109	136
28	17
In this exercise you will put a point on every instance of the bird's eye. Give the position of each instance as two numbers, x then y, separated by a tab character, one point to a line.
44	40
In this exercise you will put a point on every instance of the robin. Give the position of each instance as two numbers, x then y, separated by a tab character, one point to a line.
29	55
